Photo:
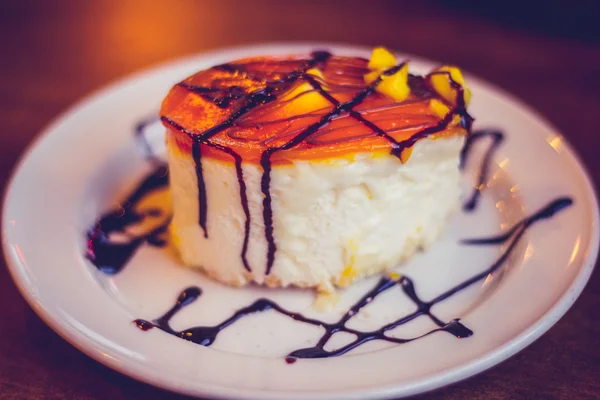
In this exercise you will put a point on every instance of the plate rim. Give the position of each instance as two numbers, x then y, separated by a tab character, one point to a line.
432	381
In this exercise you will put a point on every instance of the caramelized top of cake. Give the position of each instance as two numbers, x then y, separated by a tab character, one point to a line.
313	107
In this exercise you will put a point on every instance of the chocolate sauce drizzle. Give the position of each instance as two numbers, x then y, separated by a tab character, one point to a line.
547	212
224	96
110	256
139	134
206	335
497	139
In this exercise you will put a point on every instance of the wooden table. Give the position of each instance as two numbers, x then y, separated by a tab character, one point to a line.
55	52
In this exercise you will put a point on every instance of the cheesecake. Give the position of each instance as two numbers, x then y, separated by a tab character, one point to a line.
312	170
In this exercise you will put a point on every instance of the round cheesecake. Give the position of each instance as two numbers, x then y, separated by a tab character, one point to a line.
312	170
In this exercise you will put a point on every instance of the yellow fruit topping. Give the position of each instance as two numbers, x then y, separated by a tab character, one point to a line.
371	77
441	81
381	59
439	108
455	121
394	85
304	97
394	276
405	154
315	72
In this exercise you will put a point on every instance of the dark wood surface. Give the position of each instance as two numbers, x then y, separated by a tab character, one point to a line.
52	53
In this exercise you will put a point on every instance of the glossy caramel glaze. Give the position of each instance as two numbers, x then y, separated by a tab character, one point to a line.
253	105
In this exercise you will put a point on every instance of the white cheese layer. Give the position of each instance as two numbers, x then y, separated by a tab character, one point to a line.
334	221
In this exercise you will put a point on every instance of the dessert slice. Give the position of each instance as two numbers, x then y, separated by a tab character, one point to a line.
312	171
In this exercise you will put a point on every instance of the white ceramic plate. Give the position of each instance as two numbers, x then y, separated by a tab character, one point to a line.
87	160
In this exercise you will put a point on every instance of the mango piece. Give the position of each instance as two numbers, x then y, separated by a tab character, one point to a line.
395	85
455	73
439	108
440	80
315	72
394	276
371	77
381	59
303	97
405	154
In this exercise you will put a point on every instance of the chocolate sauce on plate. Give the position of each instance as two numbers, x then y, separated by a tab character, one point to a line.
110	256
497	139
